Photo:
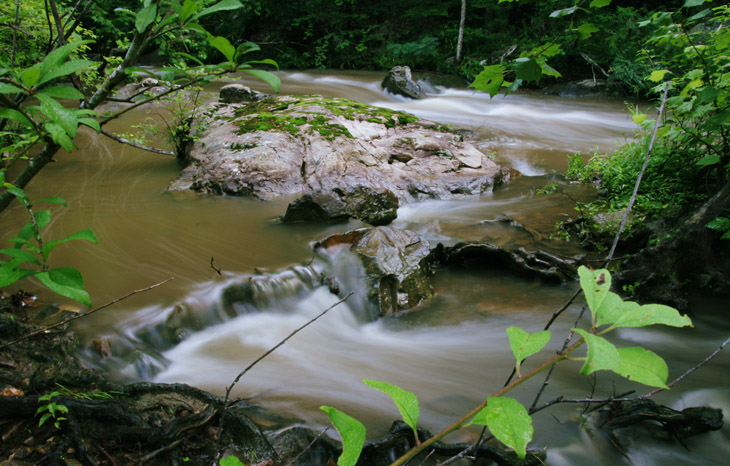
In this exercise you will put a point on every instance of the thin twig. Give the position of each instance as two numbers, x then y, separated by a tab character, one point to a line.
311	444
134	144
78	316
217	270
641	175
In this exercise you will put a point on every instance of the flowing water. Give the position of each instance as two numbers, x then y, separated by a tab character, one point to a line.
452	353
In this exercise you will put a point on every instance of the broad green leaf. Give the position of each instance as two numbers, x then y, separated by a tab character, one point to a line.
12	114
406	402
586	30
602	354
21	254
145	17
59	115
643	366
489	80
189	57
6	88
563	12
269	78
508	421
42	219
56	58
62	92
65	69
10	273
549	49
91	123
709	94
526	344
595	284
708	160
527	69
612	308
30	76
66	281
247	47
639	118
512	87
720	224
85	234
17	192
220	6
188	9
265	61
692	3
658	75
599	3
652	314
352	432
230	461
59	136
223	46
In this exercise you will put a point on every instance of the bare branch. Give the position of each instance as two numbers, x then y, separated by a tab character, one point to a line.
134	144
78	316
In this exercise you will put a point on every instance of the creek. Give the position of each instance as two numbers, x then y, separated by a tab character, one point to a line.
452	353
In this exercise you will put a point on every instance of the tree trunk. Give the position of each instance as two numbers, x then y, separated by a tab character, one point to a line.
460	42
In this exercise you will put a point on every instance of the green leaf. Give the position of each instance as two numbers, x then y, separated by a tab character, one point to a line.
188	10
595	284
526	344
189	57
612	308
6	88
21	254
528	69
563	12
709	94
230	461
91	123
66	281
658	75
223	46
602	354
692	3
586	30
269	78
30	76
406	402
10	273
62	92
59	136
59	115
508	421
86	235
599	3
652	314
65	69
639	118
12	114
720	224
643	366
17	192
42	219
56	58
352	432
489	80
220	6
145	17
708	160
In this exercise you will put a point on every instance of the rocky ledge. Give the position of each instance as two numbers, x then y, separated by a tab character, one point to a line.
330	148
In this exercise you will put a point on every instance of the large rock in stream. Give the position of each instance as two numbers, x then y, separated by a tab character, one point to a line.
397	265
297	146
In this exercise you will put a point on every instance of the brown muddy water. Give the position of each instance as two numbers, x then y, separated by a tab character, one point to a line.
452	353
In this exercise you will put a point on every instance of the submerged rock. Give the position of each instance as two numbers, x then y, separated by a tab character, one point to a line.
237	93
397	265
292	146
399	81
373	206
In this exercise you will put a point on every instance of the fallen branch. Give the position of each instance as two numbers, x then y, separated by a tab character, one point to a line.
78	316
134	144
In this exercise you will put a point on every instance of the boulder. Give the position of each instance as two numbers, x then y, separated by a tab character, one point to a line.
292	146
397	265
237	93
399	81
374	206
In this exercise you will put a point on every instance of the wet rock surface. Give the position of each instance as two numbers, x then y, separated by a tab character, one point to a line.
399	81
293	146
376	207
397	265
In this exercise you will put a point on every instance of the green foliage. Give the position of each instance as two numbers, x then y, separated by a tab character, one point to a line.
51	410
406	402
422	54
29	255
352	432
506	418
508	421
721	224
526	344
230	461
